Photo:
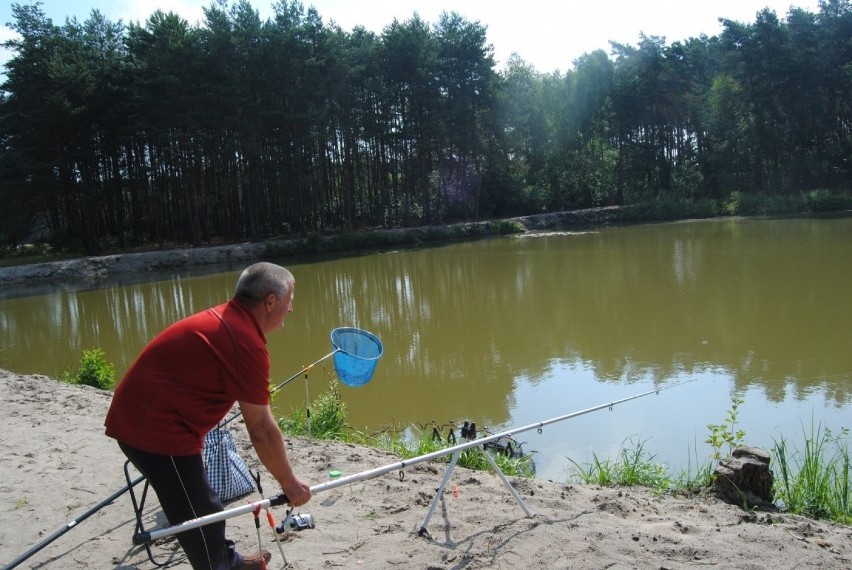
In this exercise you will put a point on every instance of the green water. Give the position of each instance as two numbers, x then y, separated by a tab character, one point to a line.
511	331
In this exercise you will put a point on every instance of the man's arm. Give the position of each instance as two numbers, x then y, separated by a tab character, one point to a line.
269	444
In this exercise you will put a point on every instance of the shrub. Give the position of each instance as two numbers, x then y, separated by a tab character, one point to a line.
94	371
504	227
726	434
742	204
705	208
823	200
313	243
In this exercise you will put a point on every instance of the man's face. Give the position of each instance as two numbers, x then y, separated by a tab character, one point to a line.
279	308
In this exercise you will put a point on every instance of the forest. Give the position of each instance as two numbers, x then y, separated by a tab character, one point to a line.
119	135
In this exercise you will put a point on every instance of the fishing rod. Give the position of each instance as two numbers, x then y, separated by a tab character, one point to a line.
141	538
71	524
479	442
356	355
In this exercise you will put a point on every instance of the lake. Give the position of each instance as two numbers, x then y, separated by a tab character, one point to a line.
514	330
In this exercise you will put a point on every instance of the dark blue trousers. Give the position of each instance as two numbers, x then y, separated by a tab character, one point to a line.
184	493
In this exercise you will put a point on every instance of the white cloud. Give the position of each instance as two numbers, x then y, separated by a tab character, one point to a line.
140	10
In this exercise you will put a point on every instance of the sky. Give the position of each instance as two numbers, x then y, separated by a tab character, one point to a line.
548	34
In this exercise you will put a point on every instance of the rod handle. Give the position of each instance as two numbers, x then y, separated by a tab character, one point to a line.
278	500
145	537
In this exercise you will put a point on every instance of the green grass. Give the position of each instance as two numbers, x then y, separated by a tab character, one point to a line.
417	441
697	475
633	466
815	481
327	420
472	458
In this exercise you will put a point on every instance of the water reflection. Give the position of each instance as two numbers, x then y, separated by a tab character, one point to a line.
509	331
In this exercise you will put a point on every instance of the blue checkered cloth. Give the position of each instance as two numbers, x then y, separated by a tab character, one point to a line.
226	471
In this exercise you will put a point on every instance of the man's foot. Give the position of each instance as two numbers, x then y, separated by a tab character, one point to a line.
256	561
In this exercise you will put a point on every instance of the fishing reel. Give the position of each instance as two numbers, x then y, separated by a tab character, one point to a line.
296	522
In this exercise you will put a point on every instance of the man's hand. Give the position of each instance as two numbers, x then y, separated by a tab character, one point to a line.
269	444
297	492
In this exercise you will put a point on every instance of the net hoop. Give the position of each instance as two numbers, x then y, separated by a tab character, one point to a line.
356	354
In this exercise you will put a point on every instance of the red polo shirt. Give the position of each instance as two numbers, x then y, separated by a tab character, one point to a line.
187	378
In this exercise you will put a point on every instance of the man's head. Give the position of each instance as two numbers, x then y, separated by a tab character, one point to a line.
268	290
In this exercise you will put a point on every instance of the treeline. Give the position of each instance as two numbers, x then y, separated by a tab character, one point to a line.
238	128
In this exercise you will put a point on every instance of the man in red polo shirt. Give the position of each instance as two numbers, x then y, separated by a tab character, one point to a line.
182	384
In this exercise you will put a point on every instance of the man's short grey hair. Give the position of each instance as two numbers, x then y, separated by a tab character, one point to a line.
260	279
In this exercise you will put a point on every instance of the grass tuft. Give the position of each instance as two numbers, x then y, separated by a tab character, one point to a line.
815	481
327	420
634	466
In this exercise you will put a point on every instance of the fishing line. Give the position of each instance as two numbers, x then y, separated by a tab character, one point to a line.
356	353
151	535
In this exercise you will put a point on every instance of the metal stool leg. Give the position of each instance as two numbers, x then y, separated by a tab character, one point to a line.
137	510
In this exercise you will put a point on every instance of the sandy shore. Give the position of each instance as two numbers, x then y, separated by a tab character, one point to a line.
57	465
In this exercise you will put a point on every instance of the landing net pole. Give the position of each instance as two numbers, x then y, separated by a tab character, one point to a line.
238	413
372	473
302	371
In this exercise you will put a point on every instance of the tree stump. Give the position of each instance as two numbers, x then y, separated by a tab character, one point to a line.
744	479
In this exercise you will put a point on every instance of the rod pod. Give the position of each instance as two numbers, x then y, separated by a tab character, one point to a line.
372	473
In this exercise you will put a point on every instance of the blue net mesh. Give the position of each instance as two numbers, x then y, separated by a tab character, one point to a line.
356	356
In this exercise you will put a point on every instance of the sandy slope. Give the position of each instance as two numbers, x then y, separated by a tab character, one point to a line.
57	464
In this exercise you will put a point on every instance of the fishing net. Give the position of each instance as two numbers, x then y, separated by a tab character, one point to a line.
356	354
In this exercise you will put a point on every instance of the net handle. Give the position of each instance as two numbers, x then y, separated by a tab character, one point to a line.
309	366
239	412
